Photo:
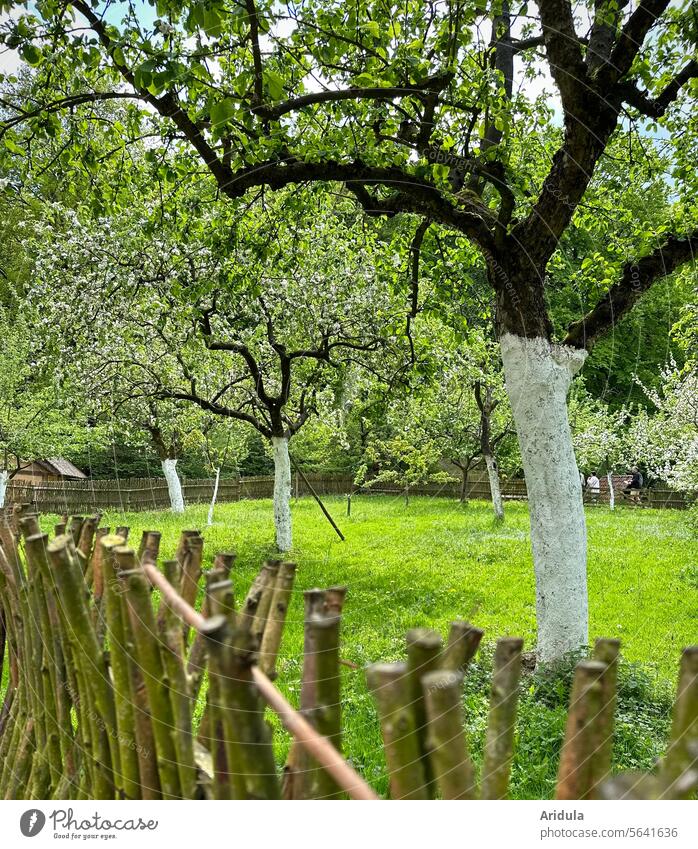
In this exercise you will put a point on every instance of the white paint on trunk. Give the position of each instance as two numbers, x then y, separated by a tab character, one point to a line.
209	521
174	486
611	491
493	474
4	480
538	375
282	492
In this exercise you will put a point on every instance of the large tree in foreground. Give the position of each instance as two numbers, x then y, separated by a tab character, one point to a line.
415	113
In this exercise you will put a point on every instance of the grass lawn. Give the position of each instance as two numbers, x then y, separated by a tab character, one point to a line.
436	560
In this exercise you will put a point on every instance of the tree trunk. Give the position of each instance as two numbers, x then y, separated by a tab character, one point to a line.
538	376
282	493
209	520
464	486
4	480
493	474
611	491
174	486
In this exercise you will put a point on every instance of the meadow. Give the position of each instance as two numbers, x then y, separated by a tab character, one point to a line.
436	560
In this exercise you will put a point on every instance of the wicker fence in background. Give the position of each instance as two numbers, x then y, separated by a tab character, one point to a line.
125	495
137	494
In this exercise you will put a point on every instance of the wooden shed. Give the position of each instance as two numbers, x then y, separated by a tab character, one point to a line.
51	469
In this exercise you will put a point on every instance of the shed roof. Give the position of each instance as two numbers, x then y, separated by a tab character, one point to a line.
61	466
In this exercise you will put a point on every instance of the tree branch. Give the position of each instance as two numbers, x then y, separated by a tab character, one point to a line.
167	105
563	49
370	93
218	409
63	103
235	348
607	14
633	36
253	20
656	107
637	277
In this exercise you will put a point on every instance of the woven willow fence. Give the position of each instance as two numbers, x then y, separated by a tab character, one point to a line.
106	677
138	494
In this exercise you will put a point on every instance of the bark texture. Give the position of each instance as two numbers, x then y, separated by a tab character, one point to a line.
4	479
209	519
493	475
538	375
174	486
282	493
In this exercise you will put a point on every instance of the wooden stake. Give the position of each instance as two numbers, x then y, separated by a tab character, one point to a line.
328	709
447	746
390	685
424	654
499	745
577	772
463	642
271	640
681	754
606	652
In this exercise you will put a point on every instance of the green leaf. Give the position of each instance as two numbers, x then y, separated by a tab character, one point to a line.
13	147
32	54
275	84
222	111
364	80
212	22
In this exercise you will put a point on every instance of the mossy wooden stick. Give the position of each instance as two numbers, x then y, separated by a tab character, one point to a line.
271	640
149	546
499	744
390	685
606	652
191	571
148	650
463	642
328	709
81	633
577	771
116	640
683	739
255	607
178	686
247	734
447	745
424	654
229	780
196	663
297	771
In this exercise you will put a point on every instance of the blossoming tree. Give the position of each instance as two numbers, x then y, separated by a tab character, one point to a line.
249	333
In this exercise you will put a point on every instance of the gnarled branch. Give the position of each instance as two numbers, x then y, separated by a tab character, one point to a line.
637	277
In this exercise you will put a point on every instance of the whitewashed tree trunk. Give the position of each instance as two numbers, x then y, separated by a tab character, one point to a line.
538	375
611	492
282	493
493	474
209	520
174	486
4	480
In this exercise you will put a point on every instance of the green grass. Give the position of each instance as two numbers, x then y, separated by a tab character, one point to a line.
436	560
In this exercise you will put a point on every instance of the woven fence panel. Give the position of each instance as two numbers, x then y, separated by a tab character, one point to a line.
138	494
